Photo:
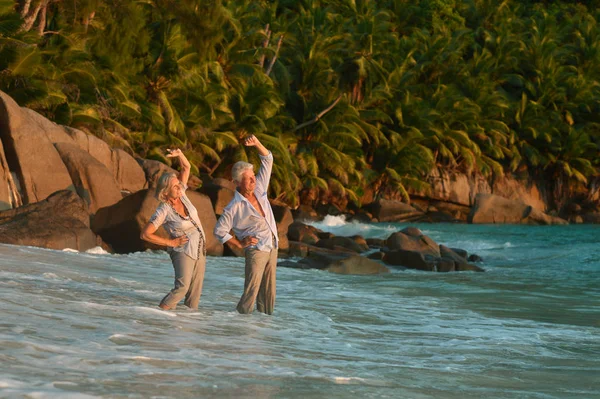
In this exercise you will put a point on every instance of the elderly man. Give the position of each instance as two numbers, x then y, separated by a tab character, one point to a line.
251	217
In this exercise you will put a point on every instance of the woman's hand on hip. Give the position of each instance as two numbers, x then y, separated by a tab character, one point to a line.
179	241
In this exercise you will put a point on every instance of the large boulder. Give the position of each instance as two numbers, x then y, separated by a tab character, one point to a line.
453	256
441	212
522	191
58	222
490	209
128	174
393	211
153	170
9	194
408	259
303	233
342	262
93	145
120	225
30	152
5	198
455	188
305	213
375	242
220	192
419	261
591	217
283	218
461	189
341	242
411	239
327	208
361	242
410	248
92	180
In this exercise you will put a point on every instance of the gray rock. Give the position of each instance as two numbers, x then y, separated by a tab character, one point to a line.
491	208
409	259
392	211
475	258
92	180
58	222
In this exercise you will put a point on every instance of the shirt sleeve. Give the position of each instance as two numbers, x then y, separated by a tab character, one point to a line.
159	216
224	225
264	173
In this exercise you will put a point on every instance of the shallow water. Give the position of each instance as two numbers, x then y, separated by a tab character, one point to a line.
86	325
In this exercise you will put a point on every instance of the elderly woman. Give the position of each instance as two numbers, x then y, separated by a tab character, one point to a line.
186	245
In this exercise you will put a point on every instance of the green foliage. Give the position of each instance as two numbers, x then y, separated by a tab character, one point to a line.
349	95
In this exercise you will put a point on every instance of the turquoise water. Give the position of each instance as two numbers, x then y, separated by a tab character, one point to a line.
85	325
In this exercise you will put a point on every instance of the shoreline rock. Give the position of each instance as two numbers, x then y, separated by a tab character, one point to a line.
60	221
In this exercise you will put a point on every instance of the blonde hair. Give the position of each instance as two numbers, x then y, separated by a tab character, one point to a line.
162	186
238	170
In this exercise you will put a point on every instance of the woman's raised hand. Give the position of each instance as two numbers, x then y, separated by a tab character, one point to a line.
172	153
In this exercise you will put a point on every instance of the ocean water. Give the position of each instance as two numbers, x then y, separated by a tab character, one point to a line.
86	325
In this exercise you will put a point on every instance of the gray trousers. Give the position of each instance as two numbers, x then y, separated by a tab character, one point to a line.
189	276
259	286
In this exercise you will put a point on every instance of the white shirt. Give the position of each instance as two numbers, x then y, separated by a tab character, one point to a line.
177	225
245	220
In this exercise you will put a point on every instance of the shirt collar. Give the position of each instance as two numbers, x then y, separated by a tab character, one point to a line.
239	197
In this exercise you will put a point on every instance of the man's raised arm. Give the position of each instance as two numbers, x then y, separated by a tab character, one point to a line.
266	162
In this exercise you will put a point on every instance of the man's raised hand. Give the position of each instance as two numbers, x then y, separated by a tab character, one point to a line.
251	141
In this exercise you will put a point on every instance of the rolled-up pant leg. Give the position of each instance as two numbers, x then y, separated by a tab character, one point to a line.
265	301
184	268
255	266
192	298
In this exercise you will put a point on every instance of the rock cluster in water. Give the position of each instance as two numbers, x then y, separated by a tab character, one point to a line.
408	248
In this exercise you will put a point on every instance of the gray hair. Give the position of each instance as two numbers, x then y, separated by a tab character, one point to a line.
162	186
238	170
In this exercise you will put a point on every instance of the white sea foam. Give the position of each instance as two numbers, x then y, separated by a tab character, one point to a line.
156	310
12	384
97	251
348	380
51	392
124	281
69	250
95	305
93	251
334	221
339	226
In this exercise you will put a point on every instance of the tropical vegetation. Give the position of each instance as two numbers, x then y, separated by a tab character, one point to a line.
352	96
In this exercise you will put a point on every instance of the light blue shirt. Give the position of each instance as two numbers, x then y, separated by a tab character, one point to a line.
177	225
245	220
